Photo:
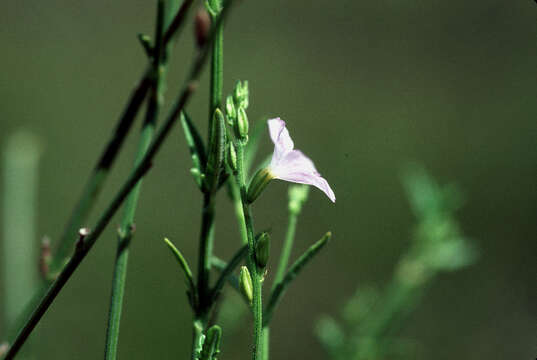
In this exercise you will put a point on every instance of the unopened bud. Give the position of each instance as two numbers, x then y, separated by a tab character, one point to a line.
232	156
259	182
217	147
202	27
231	111
241	95
262	249
245	284
241	124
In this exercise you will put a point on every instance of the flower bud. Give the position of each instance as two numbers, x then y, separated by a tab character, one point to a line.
217	147
241	124
232	156
259	182
245	284
202	26
231	111
241	95
262	249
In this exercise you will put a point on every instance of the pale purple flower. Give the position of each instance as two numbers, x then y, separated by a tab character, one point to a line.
292	165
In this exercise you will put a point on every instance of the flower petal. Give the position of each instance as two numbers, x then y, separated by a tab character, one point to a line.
298	168
279	134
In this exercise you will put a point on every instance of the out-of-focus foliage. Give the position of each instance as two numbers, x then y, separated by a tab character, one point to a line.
371	318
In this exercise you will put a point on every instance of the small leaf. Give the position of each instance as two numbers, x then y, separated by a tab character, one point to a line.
186	270
194	142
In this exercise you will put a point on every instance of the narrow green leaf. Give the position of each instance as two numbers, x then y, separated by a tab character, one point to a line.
227	270
183	263
194	142
281	287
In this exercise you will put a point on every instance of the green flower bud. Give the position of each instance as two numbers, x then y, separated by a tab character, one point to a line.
259	182
217	147
262	249
241	95
241	124
232	156
245	284
231	111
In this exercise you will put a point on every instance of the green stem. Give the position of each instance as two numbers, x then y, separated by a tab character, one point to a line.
255	273
208	211
205	251
237	205
280	272
287	248
101	170
20	174
265	344
217	72
125	232
188	89
294	270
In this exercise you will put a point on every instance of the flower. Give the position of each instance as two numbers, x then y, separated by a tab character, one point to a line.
292	165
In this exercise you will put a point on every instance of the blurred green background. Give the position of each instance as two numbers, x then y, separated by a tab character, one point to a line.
364	86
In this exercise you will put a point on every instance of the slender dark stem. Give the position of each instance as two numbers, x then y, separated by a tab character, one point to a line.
144	165
100	173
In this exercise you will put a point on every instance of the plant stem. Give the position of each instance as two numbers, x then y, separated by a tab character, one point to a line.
208	211
257	306
294	270
187	91
237	205
101	170
127	223
280	272
20	165
265	344
287	248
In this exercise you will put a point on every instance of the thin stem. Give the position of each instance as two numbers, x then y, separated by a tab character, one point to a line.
187	91
217	73
127	222
255	273
205	250
101	170
237	205
19	249
208	211
294	270
287	248
227	271
266	339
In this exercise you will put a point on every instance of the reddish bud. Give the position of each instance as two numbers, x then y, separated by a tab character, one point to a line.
202	26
